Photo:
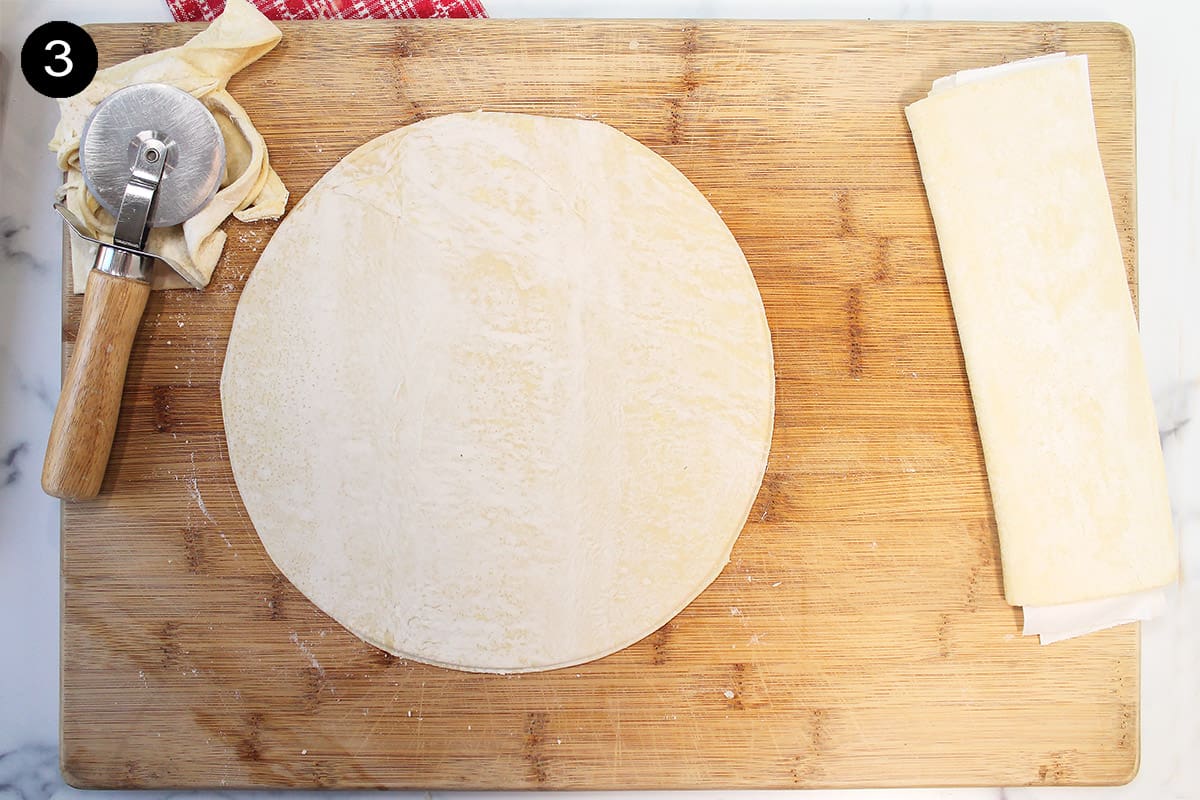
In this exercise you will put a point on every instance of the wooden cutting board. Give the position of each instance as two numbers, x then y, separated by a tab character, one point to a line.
858	637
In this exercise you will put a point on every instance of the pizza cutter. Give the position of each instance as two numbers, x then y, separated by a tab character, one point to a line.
153	156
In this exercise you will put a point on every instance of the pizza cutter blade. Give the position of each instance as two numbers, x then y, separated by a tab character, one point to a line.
153	156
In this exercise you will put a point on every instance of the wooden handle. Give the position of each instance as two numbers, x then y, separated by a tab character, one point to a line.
86	417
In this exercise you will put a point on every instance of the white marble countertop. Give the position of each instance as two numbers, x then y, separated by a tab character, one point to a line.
1168	134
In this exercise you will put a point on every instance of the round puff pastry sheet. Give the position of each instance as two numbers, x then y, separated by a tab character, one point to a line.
499	393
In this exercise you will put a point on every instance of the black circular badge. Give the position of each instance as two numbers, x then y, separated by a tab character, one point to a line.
59	59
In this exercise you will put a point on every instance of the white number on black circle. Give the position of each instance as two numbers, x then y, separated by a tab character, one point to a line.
67	64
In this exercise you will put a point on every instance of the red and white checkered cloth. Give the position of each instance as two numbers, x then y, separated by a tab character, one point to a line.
208	10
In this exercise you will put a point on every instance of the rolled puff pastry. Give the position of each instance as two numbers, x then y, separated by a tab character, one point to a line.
1033	262
499	392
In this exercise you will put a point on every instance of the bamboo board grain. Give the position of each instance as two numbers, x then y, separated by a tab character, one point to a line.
858	637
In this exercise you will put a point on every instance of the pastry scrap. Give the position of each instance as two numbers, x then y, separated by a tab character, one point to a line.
251	189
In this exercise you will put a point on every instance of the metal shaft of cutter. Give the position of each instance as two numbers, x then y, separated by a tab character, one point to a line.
138	201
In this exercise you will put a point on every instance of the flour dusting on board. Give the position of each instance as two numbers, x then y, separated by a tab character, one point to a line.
308	653
194	490
193	485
